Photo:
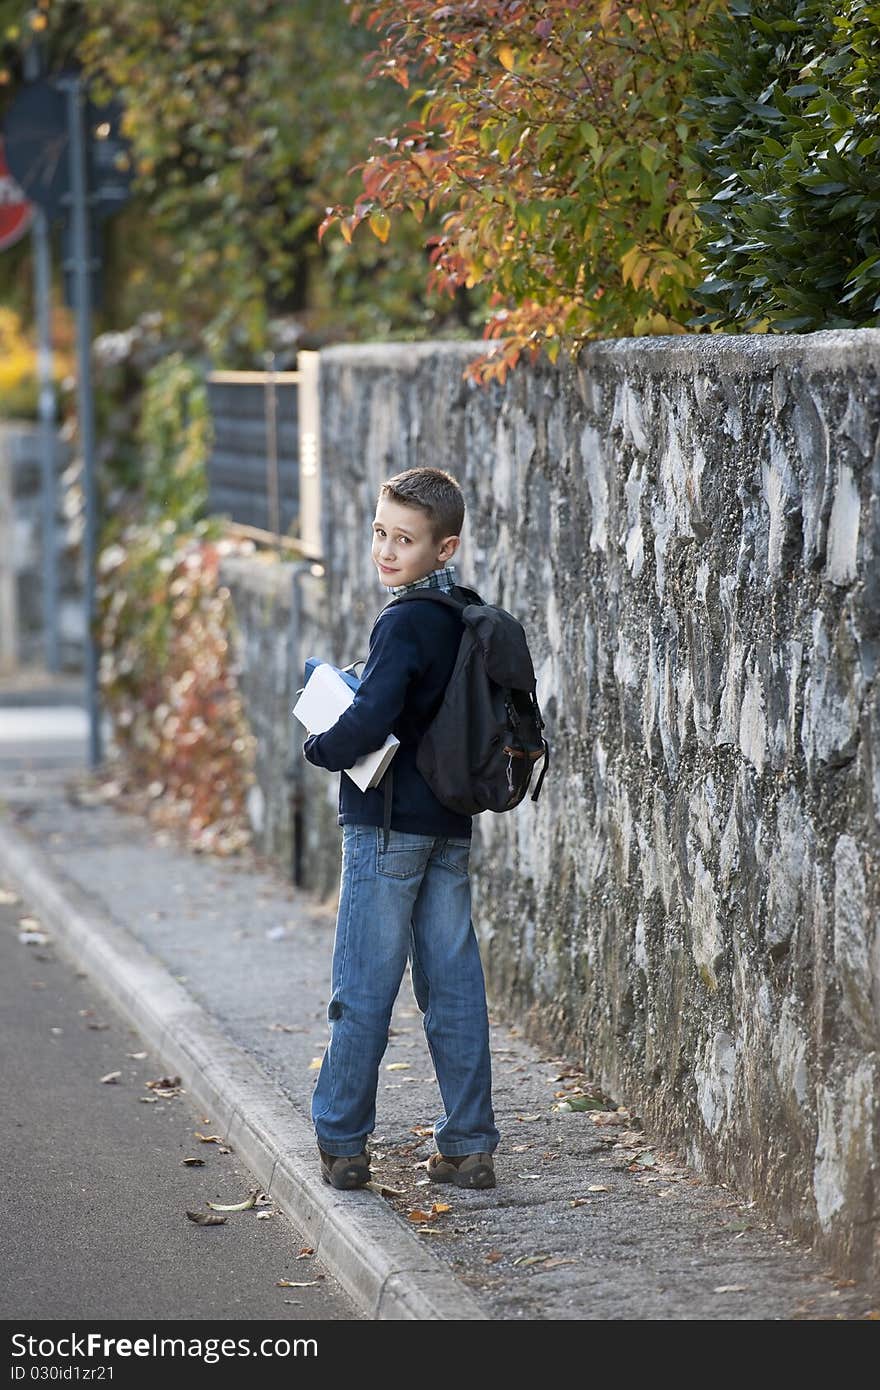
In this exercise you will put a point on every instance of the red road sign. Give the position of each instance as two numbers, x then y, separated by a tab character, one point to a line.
15	210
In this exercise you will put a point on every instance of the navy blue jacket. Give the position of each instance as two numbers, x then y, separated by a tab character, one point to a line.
413	649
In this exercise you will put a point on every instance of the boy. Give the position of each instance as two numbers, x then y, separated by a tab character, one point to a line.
413	897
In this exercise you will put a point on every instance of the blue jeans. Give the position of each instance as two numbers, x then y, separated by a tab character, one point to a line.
411	900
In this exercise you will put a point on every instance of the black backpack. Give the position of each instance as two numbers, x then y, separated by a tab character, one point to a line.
480	749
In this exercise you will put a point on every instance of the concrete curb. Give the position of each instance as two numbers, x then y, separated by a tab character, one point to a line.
381	1265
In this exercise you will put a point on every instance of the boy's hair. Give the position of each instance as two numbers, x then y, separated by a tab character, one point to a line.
435	491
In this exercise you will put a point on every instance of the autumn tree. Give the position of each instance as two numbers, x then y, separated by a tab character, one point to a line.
551	139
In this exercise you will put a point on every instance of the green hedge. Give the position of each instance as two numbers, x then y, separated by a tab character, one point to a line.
788	99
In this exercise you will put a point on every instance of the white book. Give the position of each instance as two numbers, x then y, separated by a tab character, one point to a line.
324	698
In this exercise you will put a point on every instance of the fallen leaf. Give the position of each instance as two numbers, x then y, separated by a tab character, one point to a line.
221	1149
208	1138
532	1259
398	1066
30	923
264	1215
731	1288
424	1131
305	1252
440	1207
521	1148
315	1064
581	1201
294	1284
206	1218
580	1103
555	1263
383	1190
136	1056
283	1028
192	1162
528	1175
526	1118
597	1187
165	1083
417	1215
8	899
493	1257
111	1077
237	1206
149	1100
646	1160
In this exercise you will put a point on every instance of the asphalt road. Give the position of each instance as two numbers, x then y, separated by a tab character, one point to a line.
95	1185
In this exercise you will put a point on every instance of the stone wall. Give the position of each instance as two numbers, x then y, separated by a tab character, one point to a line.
689	530
279	621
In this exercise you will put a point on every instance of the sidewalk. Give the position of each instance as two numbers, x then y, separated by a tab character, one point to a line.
224	968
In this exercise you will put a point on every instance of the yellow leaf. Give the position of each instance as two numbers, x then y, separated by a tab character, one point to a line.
380	224
398	1066
315	1064
507	57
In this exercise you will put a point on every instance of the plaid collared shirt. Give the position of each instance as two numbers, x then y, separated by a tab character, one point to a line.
438	579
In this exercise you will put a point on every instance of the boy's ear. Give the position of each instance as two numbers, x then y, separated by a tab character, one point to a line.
447	548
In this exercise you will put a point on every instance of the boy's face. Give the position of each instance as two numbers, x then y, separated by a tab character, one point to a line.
403	548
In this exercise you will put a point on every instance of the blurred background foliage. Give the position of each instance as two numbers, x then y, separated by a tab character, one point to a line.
244	119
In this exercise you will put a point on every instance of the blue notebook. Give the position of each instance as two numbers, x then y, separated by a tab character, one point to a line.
348	676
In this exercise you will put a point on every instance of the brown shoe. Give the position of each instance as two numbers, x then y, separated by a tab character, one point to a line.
346	1172
465	1170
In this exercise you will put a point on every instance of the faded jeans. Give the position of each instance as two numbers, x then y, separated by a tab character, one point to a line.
411	901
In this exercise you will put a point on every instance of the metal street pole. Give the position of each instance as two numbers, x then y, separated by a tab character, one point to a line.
81	268
43	292
47	411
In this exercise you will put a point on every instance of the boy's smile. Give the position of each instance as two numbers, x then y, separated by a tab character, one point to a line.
403	547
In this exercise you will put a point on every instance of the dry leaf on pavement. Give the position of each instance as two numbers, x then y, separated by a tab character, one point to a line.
111	1077
383	1190
206	1218
237	1206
